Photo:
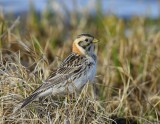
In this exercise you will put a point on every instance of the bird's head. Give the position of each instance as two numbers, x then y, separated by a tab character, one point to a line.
84	44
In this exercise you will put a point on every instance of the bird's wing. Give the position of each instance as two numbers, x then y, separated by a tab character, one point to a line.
71	65
74	63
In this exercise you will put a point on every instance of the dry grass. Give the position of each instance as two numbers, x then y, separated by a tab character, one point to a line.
128	74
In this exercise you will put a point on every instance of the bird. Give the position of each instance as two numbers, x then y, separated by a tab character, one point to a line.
73	73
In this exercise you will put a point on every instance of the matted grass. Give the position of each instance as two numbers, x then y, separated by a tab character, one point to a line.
127	82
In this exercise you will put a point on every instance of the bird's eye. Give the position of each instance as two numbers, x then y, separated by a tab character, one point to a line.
86	40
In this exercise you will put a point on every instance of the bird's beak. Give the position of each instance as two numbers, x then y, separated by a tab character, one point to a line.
95	41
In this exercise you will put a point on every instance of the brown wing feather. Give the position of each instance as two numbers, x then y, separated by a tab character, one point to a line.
70	65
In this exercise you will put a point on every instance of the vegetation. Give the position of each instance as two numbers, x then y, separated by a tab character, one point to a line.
128	70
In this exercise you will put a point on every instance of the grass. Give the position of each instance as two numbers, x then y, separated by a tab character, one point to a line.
128	70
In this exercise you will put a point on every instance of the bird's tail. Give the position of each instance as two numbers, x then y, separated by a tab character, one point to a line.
29	99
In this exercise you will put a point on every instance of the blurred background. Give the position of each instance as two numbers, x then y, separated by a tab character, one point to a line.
123	9
128	68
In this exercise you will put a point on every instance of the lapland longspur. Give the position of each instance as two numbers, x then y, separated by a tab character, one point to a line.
73	73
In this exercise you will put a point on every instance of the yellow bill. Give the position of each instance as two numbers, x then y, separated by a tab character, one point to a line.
95	41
